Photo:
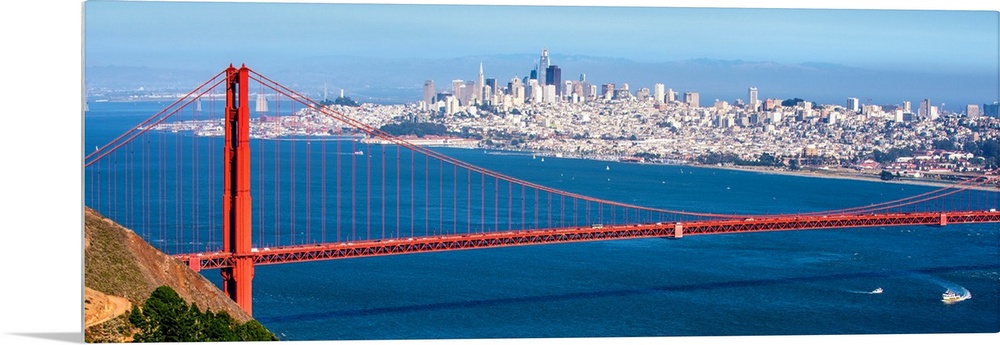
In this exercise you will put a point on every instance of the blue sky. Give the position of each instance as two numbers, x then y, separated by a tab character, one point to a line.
193	34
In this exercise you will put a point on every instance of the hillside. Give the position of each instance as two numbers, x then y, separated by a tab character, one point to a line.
118	263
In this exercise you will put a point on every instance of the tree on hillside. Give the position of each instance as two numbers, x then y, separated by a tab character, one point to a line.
166	317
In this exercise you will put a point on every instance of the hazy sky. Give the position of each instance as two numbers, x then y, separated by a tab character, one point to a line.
194	34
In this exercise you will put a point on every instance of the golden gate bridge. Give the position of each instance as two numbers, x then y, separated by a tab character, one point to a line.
286	201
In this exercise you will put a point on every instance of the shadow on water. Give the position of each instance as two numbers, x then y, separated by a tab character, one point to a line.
614	293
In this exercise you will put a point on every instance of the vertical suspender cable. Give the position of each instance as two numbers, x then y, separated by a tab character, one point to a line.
354	188
308	187
368	192
322	179
383	190
454	195
339	220
398	205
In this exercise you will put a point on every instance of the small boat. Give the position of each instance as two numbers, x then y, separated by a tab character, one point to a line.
607	167
952	297
359	153
878	290
543	159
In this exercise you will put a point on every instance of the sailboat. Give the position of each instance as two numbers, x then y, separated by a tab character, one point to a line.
197	106
607	167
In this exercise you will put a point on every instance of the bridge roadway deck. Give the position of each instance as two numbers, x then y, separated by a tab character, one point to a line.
343	250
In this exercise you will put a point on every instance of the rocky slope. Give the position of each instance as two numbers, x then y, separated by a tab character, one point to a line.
119	266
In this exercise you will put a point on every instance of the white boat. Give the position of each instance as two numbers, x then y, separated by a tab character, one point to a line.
359	153
949	297
607	167
878	290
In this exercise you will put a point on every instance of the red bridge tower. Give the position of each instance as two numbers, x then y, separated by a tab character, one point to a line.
237	280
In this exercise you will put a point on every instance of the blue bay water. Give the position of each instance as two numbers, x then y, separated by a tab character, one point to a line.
777	283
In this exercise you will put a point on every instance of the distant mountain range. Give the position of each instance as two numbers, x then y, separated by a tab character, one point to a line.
398	79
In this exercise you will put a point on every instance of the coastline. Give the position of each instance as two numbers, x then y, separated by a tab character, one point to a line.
809	173
847	176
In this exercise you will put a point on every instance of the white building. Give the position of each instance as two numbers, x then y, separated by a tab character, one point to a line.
658	93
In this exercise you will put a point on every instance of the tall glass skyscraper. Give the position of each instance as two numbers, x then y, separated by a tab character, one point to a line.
553	76
543	66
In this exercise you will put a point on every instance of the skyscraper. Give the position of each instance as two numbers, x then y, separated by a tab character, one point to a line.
608	91
853	104
691	98
458	89
972	111
991	110
658	93
516	91
752	96
493	85
553	76
543	66
429	91
480	85
924	112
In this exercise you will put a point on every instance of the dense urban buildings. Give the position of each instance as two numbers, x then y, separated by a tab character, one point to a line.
544	114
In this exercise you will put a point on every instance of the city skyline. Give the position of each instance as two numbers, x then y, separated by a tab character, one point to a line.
718	52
